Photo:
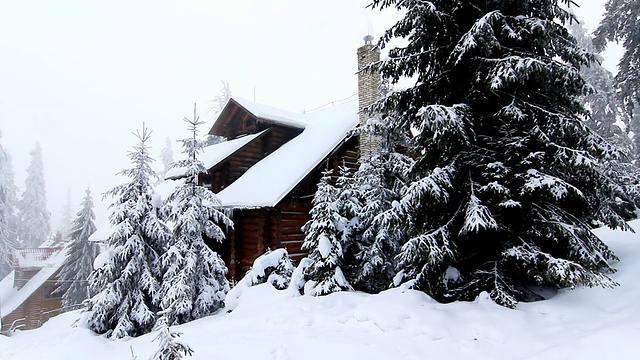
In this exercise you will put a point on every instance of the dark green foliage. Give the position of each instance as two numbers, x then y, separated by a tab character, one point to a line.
380	181
77	267
508	179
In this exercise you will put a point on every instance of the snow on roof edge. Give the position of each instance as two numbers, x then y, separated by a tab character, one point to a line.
271	114
10	304
216	153
258	205
335	122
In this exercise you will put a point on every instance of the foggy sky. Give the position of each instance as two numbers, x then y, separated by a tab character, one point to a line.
80	76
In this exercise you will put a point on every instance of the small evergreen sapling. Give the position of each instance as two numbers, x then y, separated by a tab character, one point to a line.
193	281
169	348
323	238
127	285
274	267
77	267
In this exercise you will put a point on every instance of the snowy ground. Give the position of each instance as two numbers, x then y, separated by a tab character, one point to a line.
396	324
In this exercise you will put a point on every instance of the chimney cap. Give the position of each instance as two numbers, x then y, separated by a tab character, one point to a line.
368	39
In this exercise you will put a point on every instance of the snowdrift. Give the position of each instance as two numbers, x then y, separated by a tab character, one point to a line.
396	324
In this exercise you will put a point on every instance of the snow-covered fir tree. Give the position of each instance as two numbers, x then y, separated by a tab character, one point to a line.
608	118
65	218
194	283
620	24
217	104
607	115
349	206
381	180
7	210
34	220
220	100
274	267
127	284
634	132
507	180
169	348
166	156
77	267
323	238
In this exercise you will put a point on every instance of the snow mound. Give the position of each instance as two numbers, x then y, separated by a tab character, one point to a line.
395	324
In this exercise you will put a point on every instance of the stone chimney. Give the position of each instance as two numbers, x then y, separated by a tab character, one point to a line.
368	92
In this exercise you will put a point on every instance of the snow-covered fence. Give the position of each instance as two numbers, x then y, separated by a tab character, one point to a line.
31	257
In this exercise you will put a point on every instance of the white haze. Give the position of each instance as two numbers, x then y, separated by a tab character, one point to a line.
80	76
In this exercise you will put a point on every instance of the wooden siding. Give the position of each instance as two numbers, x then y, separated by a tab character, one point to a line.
39	307
256	230
235	121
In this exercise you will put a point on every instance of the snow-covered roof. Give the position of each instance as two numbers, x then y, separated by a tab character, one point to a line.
271	114
271	179
11	298
102	233
214	154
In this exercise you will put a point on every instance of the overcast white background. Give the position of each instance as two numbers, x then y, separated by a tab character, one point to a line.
80	76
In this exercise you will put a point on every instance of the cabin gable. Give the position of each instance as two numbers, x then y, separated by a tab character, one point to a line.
258	229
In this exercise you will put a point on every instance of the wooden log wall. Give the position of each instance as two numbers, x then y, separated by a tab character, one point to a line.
249	238
39	307
255	230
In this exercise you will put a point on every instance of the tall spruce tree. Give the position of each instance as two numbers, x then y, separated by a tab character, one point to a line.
34	220
77	267
620	23
324	236
607	116
127	285
65	218
7	210
194	283
507	180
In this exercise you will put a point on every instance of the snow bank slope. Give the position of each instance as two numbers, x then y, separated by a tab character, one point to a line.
396	324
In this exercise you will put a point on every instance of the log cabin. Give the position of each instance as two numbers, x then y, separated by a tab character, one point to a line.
267	174
27	296
267	171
